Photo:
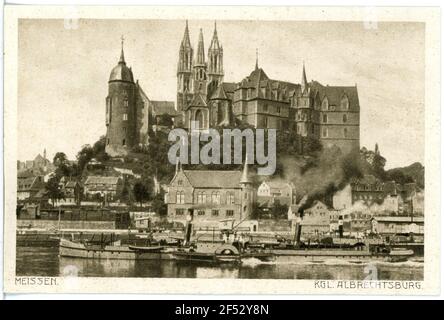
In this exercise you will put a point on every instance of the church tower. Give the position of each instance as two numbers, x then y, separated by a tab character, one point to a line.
200	69
121	110
184	72
215	63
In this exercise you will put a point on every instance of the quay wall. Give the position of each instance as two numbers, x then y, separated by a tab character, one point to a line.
52	224
274	225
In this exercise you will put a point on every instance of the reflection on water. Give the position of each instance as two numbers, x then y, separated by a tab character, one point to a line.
45	262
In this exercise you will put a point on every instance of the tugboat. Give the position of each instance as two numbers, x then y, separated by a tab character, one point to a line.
357	252
230	250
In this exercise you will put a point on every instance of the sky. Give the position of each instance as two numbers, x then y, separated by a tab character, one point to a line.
63	73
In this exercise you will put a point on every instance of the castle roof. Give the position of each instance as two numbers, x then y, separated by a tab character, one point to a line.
161	107
121	72
214	178
335	94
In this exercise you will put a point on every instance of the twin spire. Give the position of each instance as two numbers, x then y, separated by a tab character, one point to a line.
186	43
200	58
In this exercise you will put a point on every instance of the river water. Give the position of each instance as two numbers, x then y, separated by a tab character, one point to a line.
37	261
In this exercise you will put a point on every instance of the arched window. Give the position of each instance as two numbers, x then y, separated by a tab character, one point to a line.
199	118
215	197
180	197
345	132
344	118
230	197
324	118
325	104
344	103
123	142
201	197
125	102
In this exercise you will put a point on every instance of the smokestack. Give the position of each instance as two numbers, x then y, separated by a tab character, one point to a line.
297	231
189	227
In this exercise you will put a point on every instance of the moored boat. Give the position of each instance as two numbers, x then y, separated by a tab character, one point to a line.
112	251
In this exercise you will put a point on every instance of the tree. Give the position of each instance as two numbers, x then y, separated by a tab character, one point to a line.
59	159
158	205
165	120
54	190
140	192
83	157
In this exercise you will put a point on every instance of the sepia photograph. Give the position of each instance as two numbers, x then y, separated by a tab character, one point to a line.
214	148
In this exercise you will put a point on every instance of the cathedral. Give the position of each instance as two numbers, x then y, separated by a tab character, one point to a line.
330	114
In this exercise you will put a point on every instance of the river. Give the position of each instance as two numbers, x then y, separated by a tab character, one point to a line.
39	261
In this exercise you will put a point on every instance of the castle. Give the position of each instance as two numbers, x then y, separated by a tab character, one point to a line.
330	114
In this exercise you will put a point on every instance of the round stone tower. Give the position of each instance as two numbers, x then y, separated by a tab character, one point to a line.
121	116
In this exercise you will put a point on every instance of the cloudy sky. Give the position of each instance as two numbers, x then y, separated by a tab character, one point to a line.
63	73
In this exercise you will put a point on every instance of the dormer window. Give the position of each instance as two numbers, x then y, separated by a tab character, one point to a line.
325	104
345	103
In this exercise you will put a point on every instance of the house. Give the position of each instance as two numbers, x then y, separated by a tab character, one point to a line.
316	220
390	225
213	195
98	187
272	192
384	198
368	190
275	188
73	191
28	186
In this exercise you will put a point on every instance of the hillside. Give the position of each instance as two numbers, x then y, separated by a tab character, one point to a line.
413	172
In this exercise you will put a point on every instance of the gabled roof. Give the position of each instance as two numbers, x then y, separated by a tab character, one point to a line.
367	179
317	203
198	101
229	87
31	183
277	184
71	184
335	94
214	178
219	93
101	180
161	107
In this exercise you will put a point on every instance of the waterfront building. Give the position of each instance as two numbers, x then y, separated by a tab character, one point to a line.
98	187
382	198
214	195
28	186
